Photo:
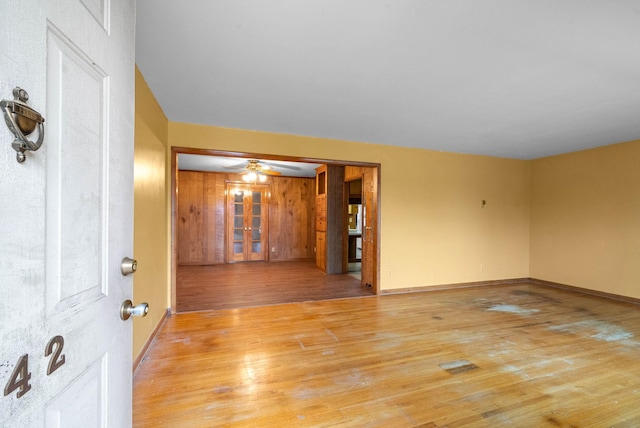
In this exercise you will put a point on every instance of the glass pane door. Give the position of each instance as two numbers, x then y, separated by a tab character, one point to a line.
238	224
247	221
256	226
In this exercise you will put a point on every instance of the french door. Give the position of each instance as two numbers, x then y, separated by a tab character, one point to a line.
247	220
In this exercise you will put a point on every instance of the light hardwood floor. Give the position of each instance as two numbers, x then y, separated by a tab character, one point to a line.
237	285
520	355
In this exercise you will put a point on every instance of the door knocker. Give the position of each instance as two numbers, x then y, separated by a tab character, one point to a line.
22	120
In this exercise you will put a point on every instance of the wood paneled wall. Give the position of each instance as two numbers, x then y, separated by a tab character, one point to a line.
292	218
201	222
201	217
353	172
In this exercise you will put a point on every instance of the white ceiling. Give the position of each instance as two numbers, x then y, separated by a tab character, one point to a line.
191	162
509	78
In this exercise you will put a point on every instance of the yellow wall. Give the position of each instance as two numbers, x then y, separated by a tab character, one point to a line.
150	282
433	228
585	219
570	219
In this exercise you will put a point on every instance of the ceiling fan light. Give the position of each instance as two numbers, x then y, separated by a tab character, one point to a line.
250	176
262	178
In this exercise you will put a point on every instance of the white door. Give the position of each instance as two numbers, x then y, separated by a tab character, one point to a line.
66	215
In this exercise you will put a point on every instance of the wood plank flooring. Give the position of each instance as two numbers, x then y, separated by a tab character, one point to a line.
238	285
520	355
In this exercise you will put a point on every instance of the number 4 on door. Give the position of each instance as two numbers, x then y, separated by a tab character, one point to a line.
19	378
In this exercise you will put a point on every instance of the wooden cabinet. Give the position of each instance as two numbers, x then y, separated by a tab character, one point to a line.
321	250
321	213
330	218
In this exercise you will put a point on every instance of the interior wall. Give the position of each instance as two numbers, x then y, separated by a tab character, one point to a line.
568	218
150	240
585	219
292	214
434	228
201	217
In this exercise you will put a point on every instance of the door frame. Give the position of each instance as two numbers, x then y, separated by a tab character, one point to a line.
175	150
346	240
228	208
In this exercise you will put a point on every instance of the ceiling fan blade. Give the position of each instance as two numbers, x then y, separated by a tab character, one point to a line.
239	166
270	172
279	164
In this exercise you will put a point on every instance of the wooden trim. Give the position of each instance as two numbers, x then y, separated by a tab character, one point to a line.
378	229
345	226
150	339
298	259
581	290
198	264
265	156
174	219
618	297
443	287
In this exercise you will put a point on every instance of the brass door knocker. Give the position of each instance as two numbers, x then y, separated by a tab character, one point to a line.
22	120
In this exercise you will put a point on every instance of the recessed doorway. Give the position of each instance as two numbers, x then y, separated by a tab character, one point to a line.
285	237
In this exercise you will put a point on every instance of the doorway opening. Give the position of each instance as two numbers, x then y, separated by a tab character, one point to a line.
354	223
279	226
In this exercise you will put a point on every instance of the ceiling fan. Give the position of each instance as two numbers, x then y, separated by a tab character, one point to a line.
255	166
255	172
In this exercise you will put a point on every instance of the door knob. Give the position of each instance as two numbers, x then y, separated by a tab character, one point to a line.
127	310
128	266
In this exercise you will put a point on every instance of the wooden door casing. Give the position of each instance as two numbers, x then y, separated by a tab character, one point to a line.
370	229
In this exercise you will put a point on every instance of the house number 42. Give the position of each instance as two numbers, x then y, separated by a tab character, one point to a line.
20	377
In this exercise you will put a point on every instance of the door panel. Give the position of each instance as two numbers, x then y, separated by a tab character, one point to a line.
69	220
82	403
75	244
98	9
